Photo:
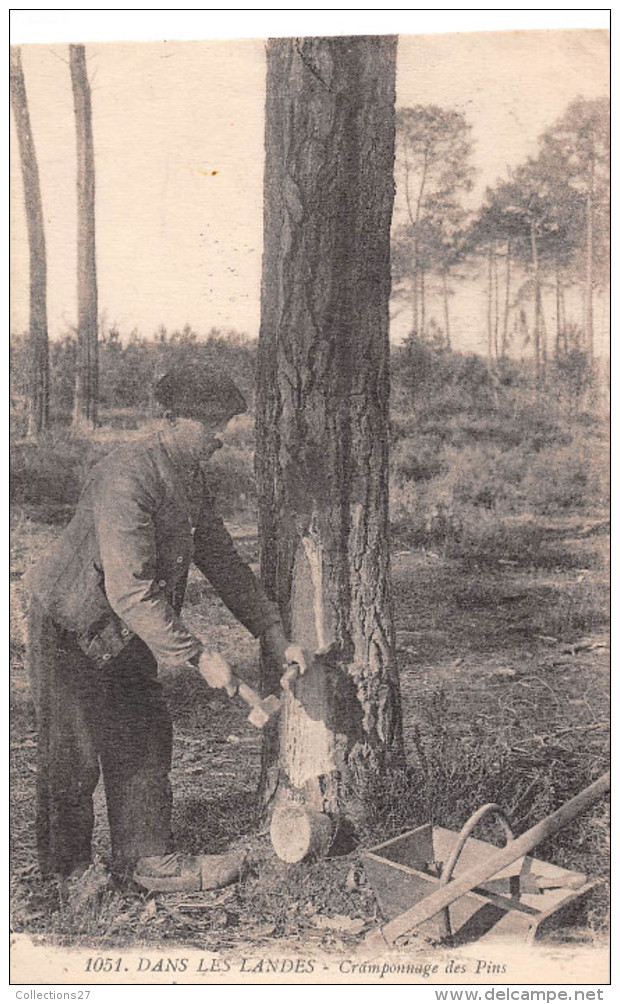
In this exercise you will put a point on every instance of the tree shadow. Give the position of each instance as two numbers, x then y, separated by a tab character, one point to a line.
327	693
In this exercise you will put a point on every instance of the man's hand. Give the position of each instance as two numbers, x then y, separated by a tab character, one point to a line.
287	656
295	655
297	661
283	653
217	672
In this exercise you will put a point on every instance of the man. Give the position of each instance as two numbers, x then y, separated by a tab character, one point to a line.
105	610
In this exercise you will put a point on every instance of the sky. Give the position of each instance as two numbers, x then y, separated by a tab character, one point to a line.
178	132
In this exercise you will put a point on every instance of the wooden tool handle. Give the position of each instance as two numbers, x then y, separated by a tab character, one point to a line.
247	694
290	674
493	863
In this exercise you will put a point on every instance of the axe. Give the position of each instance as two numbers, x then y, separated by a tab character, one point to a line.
265	708
262	708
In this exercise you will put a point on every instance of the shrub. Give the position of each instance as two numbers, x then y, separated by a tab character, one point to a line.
416	458
51	471
231	476
567	479
485	476
128	365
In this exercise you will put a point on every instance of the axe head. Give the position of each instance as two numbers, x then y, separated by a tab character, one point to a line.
263	712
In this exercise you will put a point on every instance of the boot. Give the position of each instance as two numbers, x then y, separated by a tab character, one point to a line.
189	873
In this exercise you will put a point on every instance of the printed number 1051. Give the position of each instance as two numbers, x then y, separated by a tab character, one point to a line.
99	965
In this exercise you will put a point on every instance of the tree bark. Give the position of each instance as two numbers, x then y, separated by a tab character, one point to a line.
496	297
558	312
446	308
537	298
38	348
490	305
415	291
589	290
322	414
87	370
422	304
507	300
414	220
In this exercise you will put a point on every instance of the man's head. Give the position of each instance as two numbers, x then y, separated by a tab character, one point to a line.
201	392
198	401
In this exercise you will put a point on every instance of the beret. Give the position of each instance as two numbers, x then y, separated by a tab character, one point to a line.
199	391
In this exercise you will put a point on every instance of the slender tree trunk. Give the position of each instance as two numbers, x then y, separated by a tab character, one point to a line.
563	312
422	304
589	290
537	299
496	298
415	294
38	349
543	338
446	309
490	305
322	413
87	370
507	300
558	311
414	220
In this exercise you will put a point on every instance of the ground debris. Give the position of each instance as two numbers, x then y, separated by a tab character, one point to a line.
585	645
84	894
340	922
24	744
150	911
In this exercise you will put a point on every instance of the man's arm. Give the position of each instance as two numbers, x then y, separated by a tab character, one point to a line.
233	580
126	534
217	558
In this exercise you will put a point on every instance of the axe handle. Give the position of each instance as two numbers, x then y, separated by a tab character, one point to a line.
247	694
494	862
290	674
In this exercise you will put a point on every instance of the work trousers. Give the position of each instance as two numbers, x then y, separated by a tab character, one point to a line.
91	720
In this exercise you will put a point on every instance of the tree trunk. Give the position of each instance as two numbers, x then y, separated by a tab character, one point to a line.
422	304
589	290
322	414
415	291
559	329
543	337
490	305
506	300
414	220
537	303
496	297
38	350
87	370
446	309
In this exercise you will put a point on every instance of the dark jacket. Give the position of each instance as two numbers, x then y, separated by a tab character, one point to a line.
120	567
